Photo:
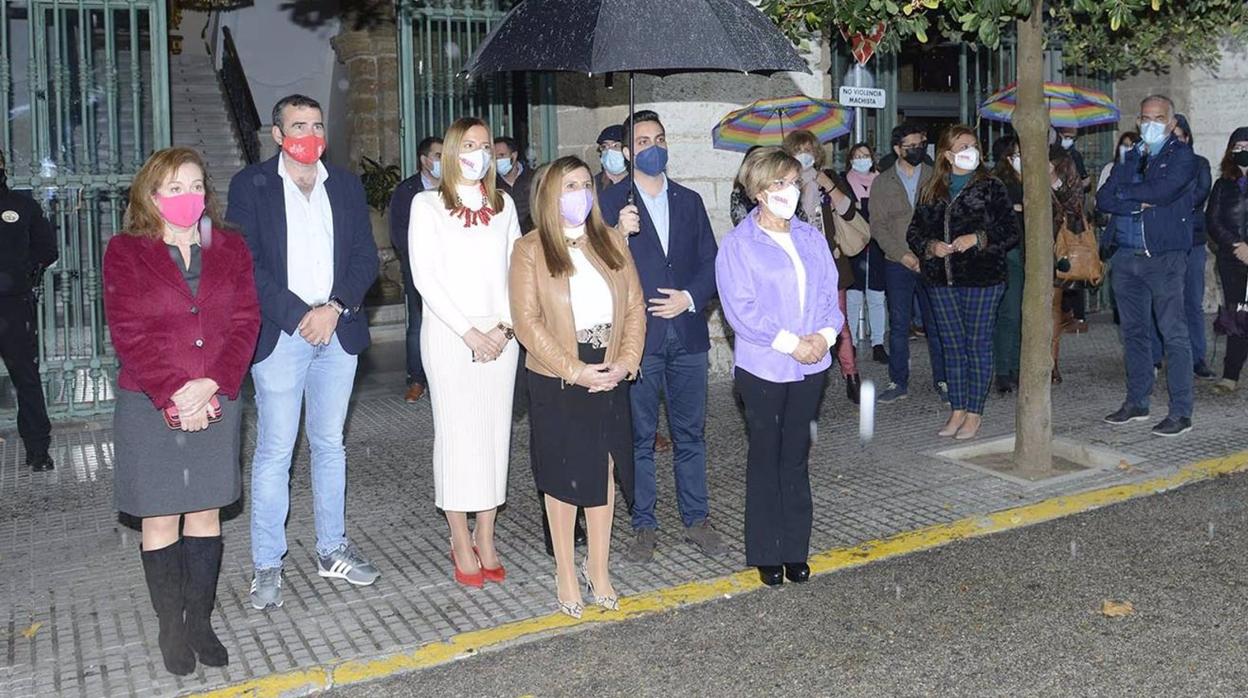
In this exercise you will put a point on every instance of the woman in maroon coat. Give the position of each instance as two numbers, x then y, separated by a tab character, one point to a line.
180	301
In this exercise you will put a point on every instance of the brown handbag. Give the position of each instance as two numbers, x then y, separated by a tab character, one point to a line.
1080	251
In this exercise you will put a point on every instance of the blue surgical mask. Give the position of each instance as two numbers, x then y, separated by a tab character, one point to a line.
436	170
503	165
613	162
1153	133
861	164
652	160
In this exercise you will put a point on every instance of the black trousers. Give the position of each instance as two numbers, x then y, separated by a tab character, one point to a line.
20	350
1234	280
778	508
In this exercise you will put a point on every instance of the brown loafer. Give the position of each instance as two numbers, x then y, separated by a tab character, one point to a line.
662	444
414	393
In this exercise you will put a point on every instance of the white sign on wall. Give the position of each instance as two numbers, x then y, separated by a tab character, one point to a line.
867	97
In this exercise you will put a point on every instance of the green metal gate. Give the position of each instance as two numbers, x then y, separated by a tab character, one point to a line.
436	38
84	86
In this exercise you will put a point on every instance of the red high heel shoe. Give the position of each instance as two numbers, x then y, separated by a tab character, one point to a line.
496	574
476	580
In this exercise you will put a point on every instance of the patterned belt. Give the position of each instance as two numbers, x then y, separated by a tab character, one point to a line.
596	336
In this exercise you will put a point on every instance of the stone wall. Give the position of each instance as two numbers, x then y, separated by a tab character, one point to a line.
690	106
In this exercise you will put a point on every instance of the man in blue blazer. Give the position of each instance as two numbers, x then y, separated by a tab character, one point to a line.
311	241
1152	192
675	256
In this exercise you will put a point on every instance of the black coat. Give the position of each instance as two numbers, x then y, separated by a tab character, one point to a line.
1226	217
27	242
984	206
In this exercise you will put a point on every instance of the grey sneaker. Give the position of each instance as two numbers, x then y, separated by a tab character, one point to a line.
642	547
345	562
266	588
703	535
892	393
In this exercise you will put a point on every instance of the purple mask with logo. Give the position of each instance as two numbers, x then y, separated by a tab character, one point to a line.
575	206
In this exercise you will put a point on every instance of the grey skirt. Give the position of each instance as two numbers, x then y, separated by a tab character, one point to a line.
158	471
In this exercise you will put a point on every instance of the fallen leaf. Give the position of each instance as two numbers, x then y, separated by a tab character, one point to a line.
1124	465
1116	609
30	632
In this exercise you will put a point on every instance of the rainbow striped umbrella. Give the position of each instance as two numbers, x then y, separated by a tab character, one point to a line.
1070	106
766	122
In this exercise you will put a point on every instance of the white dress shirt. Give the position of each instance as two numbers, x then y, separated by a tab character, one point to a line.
309	237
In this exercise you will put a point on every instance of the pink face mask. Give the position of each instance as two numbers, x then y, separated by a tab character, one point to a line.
575	206
182	210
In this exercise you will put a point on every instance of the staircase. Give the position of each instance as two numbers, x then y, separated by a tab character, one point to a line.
200	118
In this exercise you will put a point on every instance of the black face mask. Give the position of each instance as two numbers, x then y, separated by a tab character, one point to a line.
1240	157
914	156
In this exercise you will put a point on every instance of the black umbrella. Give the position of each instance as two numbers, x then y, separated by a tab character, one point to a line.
659	37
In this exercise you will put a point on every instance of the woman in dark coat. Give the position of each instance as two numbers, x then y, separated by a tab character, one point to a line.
962	228
180	300
1227	222
1007	336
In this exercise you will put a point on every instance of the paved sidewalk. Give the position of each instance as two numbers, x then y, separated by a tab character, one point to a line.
79	621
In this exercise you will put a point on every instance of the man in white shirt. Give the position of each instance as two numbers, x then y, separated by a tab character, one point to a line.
311	241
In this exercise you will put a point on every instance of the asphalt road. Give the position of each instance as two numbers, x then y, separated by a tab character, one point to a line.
1015	614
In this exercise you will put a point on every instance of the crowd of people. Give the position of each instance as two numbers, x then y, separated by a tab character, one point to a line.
586	295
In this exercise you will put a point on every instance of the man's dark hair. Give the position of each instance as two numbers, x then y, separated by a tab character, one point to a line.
426	146
639	117
900	132
507	141
293	101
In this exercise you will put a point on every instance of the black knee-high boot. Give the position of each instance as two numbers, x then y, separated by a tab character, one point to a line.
201	565
163	569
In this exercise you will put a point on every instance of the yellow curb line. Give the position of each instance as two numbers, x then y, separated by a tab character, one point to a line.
326	676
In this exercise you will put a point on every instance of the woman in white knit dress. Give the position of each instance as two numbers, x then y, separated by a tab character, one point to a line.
460	237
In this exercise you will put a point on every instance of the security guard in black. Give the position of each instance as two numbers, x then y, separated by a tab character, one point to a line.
27	246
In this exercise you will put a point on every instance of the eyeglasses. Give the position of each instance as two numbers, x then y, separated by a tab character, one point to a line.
780	184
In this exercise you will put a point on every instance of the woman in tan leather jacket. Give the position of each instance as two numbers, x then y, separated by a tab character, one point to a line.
578	309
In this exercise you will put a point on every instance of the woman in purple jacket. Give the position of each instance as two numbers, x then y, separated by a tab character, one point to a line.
778	287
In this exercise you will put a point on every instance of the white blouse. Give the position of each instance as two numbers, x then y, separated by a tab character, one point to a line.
591	296
785	341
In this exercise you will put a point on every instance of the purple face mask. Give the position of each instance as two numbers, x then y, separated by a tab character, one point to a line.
574	206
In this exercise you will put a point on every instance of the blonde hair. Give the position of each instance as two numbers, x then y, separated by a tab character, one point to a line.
764	166
549	221
142	218
937	188
801	139
452	176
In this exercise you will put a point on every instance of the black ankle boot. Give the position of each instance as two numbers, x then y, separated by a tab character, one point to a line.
163	569
853	387
201	565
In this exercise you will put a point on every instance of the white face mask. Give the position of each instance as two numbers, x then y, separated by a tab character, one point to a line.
474	165
1017	163
1068	142
807	160
783	203
966	159
861	164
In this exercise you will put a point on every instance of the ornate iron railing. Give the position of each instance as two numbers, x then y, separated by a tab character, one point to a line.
242	105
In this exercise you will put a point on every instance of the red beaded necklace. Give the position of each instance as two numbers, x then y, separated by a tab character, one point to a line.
481	216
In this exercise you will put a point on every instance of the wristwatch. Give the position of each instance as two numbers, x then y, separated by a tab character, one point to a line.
338	305
508	332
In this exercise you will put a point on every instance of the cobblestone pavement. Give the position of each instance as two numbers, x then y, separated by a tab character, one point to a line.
77	621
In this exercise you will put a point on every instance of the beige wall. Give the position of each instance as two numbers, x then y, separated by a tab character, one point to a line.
690	106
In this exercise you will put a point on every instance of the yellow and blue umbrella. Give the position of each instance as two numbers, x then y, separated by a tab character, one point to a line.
766	122
1070	106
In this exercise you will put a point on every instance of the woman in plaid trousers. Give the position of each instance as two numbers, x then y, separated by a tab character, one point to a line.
963	226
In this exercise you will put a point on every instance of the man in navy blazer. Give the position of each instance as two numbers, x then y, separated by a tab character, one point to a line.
675	257
311	241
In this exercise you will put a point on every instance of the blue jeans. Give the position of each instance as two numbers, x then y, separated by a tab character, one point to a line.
1148	288
415	370
1193	302
294	376
903	287
680	377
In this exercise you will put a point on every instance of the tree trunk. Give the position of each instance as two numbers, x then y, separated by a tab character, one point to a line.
1033	449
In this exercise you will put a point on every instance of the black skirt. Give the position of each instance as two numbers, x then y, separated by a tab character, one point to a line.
572	433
